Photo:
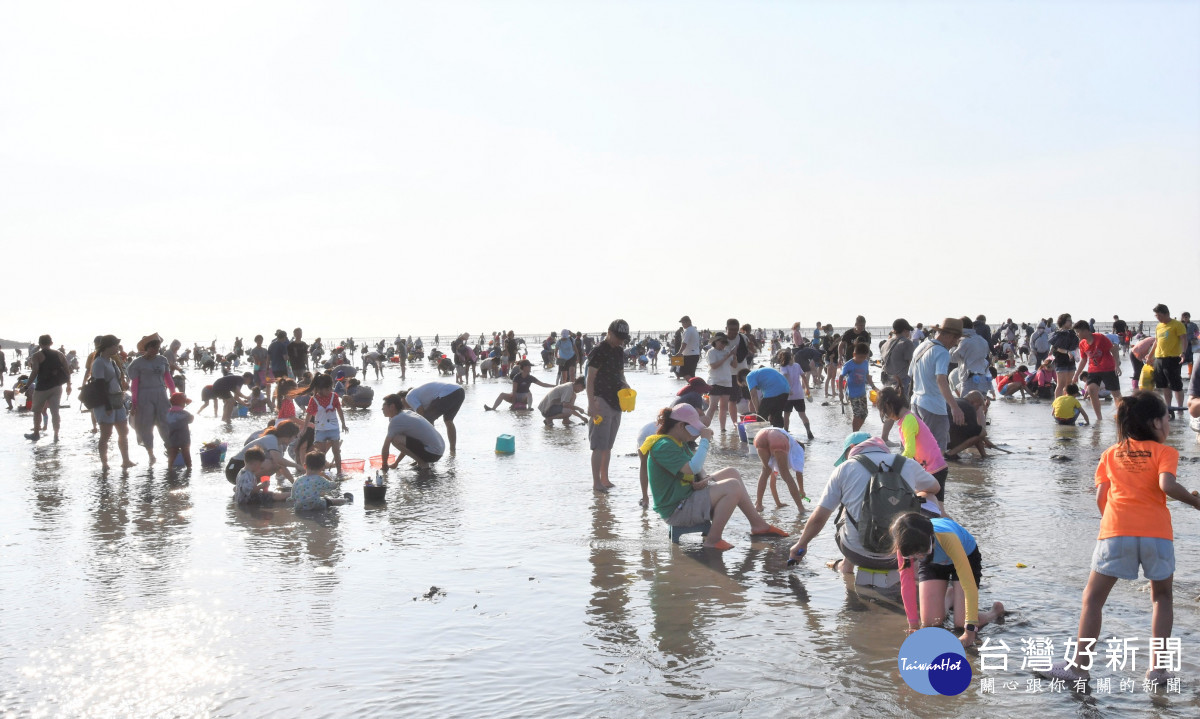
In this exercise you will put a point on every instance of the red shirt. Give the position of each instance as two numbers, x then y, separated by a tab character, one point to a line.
1098	353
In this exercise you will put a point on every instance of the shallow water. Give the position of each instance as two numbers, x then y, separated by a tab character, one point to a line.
151	594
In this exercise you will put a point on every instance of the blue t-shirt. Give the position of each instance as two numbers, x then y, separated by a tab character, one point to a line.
770	382
856	374
930	360
941	524
566	349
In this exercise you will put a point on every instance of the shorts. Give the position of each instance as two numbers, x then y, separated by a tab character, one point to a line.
603	436
413	446
696	509
772	409
979	382
1069	420
882	563
927	571
104	415
794	404
207	394
1106	379
735	393
1120	556
773	440
327	435
566	363
52	397
1166	374
689	365
553	410
446	406
938	424
858	405
717	390
232	468
1068	366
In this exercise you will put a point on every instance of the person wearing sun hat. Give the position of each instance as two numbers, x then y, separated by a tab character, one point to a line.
565	354
847	487
151	385
682	493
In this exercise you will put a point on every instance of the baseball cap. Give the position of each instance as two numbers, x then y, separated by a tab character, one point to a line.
685	318
901	325
620	328
851	441
695	384
108	341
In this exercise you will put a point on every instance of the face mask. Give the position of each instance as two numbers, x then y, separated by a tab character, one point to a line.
692	430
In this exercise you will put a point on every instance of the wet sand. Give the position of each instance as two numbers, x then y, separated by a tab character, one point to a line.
151	594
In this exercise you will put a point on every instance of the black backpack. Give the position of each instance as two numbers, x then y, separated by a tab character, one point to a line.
887	497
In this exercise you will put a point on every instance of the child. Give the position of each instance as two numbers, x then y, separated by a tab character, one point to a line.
721	359
1133	480
325	413
1010	384
1042	383
260	403
779	451
1066	408
857	372
520	397
916	438
248	489
179	434
306	494
283	400
944	552
795	377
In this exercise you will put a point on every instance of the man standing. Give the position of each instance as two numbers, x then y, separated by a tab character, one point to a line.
48	372
1189	342
1168	354
930	369
689	348
857	334
972	358
277	351
1103	363
260	358
297	351
1119	328
897	356
605	377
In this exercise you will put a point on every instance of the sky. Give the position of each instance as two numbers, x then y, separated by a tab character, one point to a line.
213	169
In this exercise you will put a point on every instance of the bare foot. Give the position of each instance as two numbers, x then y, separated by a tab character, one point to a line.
779	504
998	610
599	488
758	508
128	463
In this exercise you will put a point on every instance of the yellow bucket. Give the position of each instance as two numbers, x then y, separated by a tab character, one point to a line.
874	396
628	399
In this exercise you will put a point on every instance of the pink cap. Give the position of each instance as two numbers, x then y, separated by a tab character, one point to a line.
688	415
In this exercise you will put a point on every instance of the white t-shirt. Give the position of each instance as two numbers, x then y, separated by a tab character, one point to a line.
723	374
794	375
418	397
848	485
691	341
563	394
268	442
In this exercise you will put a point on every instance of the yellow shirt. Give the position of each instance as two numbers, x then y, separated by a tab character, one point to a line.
1170	339
1065	406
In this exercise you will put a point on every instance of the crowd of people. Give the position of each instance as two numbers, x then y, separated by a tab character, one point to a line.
935	387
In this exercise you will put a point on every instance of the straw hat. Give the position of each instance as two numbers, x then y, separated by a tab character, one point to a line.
141	345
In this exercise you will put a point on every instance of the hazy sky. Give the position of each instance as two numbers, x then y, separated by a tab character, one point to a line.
211	169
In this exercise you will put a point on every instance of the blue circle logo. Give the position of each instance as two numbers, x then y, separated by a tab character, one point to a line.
932	661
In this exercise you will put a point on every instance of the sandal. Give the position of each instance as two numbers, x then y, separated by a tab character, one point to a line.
835	565
770	531
720	546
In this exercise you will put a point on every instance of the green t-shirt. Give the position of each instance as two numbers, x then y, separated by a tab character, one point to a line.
670	482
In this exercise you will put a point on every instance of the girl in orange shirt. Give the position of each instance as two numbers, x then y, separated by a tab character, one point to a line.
1133	481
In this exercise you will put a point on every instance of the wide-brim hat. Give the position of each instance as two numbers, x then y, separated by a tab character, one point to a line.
953	325
852	440
141	345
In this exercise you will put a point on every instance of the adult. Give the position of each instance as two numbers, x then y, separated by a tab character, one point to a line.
113	413
1168	357
971	354
260	359
689	348
277	352
411	434
1121	329
846	489
297	353
1190	339
605	377
48	372
559	403
743	357
972	433
930	367
228	391
151	385
683	495
1039	343
375	360
564	350
896	356
768	391
273	441
855	335
1103	363
1062	344
981	328
434	400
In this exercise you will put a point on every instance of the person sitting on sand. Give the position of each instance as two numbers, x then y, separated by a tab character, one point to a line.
1066	408
847	488
520	397
943	552
309	492
248	489
682	499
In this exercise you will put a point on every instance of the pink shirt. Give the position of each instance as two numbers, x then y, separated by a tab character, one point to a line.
920	444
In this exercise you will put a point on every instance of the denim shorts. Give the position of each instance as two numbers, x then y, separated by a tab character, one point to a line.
327	435
1120	556
104	415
